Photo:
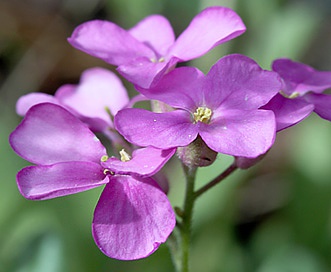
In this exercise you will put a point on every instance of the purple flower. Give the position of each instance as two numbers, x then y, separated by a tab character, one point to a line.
222	107
147	51
133	216
98	93
301	93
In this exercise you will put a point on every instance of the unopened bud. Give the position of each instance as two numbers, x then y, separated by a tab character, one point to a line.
158	106
196	154
245	163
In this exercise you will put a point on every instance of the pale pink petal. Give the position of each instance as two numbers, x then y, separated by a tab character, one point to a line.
132	218
25	102
98	90
50	181
65	91
96	124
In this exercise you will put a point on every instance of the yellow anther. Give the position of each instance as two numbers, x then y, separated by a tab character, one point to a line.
291	96
124	156
104	158
202	115
154	60
107	171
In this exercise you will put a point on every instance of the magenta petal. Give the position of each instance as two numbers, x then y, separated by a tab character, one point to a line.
155	31
161	130
107	41
301	78
181	88
142	71
240	133
132	218
49	134
50	181
322	103
211	27
288	112
238	82
144	162
25	102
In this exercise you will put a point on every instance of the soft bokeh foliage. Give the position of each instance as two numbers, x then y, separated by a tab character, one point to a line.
273	217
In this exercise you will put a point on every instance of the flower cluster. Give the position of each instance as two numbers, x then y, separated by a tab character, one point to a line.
235	109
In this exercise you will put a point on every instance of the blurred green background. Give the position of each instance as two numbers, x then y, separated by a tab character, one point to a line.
274	217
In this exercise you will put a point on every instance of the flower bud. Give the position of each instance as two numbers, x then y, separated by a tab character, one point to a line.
245	163
196	154
162	181
158	106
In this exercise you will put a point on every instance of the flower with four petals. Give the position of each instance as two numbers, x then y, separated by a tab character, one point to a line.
133	215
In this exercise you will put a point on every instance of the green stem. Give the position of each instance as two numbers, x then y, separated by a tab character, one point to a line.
181	251
185	229
216	180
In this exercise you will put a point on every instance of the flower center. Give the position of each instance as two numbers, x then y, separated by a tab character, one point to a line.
124	156
203	115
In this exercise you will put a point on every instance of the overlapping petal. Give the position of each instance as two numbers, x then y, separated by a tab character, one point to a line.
132	218
288	112
322	104
99	89
144	162
161	130
156	32
107	41
99	92
301	78
181	88
240	133
49	134
211	27
143	72
151	42
25	102
50	181
238	82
